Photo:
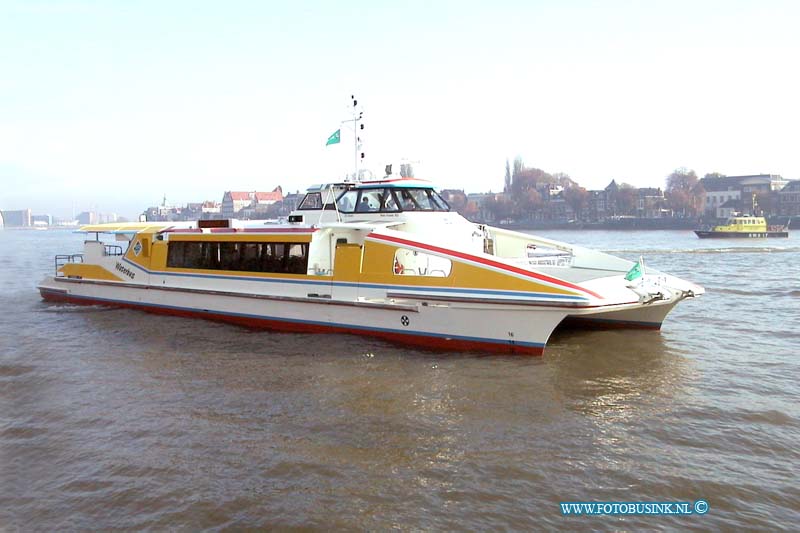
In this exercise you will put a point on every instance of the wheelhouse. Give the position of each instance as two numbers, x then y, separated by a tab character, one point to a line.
744	223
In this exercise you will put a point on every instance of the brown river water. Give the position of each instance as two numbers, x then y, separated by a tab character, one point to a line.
117	419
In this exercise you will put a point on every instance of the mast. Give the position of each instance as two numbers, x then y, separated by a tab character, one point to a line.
358	125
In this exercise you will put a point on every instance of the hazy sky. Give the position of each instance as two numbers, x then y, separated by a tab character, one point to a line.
113	104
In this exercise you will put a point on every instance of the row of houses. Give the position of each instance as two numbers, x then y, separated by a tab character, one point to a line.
556	205
723	196
244	205
720	197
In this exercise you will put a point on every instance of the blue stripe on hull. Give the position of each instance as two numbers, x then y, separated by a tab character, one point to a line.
367	329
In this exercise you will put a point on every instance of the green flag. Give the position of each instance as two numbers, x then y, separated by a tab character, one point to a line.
636	271
334	138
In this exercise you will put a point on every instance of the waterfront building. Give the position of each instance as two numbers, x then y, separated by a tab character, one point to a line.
87	217
650	203
42	220
603	204
789	199
721	189
201	210
210	209
732	207
233	202
20	218
290	202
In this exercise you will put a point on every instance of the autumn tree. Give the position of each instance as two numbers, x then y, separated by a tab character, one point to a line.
684	192
528	202
500	208
518	166
471	211
524	188
562	179
577	198
529	178
627	196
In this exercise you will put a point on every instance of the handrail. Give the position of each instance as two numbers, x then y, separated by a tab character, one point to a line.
64	259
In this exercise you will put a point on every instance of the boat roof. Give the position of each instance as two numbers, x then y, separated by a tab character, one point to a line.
387	181
127	227
391	181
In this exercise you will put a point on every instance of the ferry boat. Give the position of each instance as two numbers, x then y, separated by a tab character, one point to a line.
744	226
386	258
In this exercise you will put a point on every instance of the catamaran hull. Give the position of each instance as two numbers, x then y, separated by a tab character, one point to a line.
646	317
455	326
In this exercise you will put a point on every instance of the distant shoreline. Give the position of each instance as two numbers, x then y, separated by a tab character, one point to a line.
624	224
618	225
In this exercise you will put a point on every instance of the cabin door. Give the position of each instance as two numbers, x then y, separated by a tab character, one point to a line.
346	266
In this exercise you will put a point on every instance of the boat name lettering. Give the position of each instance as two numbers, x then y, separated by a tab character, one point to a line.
128	272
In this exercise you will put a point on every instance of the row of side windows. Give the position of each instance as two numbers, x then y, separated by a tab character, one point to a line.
276	257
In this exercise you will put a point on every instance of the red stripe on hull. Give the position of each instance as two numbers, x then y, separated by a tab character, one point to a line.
421	341
489	262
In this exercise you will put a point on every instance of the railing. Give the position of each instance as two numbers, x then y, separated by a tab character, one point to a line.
62	260
113	249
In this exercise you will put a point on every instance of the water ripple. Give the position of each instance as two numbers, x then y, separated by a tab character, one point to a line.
122	420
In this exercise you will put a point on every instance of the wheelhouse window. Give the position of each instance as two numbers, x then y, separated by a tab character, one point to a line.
312	200
274	257
390	200
316	200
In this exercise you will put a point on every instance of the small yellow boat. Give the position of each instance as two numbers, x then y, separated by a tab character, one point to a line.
744	227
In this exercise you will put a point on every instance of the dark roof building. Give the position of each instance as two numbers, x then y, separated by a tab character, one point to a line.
789	199
748	183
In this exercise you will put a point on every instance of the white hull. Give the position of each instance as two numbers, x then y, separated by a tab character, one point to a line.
456	325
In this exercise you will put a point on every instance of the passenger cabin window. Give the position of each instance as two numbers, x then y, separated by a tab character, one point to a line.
414	263
389	200
274	257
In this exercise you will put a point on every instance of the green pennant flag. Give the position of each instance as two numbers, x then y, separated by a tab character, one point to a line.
334	138
635	271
